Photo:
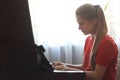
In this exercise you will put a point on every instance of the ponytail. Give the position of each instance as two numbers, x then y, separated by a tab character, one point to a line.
101	32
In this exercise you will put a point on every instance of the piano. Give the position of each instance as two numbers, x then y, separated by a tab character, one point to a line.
17	53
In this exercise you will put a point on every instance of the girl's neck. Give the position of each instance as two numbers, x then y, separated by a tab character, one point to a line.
93	35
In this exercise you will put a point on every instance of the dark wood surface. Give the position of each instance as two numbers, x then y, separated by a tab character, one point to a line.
43	76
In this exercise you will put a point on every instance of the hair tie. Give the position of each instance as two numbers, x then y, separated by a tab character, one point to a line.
96	6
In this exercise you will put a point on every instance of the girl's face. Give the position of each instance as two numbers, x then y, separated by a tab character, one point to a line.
86	26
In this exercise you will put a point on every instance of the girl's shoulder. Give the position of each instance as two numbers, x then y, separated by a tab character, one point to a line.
108	42
108	39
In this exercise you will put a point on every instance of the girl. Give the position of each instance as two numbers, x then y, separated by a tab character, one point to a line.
100	50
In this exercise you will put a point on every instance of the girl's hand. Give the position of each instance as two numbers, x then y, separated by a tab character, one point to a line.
58	65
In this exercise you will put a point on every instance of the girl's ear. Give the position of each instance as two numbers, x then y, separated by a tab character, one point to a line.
93	21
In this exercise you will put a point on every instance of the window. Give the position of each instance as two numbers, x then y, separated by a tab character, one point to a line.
55	27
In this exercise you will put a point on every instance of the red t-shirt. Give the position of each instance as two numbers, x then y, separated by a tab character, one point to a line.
106	56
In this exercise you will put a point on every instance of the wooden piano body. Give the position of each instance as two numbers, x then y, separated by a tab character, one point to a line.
17	58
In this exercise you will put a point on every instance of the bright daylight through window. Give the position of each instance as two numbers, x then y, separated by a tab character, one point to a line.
55	27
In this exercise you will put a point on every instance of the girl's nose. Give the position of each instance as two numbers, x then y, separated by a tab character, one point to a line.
79	27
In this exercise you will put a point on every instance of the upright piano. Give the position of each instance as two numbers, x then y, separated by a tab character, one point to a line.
17	53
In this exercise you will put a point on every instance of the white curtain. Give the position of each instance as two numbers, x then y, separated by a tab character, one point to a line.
54	27
112	11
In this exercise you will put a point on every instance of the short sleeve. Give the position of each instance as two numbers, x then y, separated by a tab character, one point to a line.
106	53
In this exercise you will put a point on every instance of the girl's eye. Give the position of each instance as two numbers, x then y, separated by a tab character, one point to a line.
81	24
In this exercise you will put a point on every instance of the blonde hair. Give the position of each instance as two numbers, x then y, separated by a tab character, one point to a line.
89	12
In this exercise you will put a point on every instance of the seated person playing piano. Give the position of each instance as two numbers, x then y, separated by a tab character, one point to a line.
100	50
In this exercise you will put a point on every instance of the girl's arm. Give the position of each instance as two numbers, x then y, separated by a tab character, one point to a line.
79	66
97	74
